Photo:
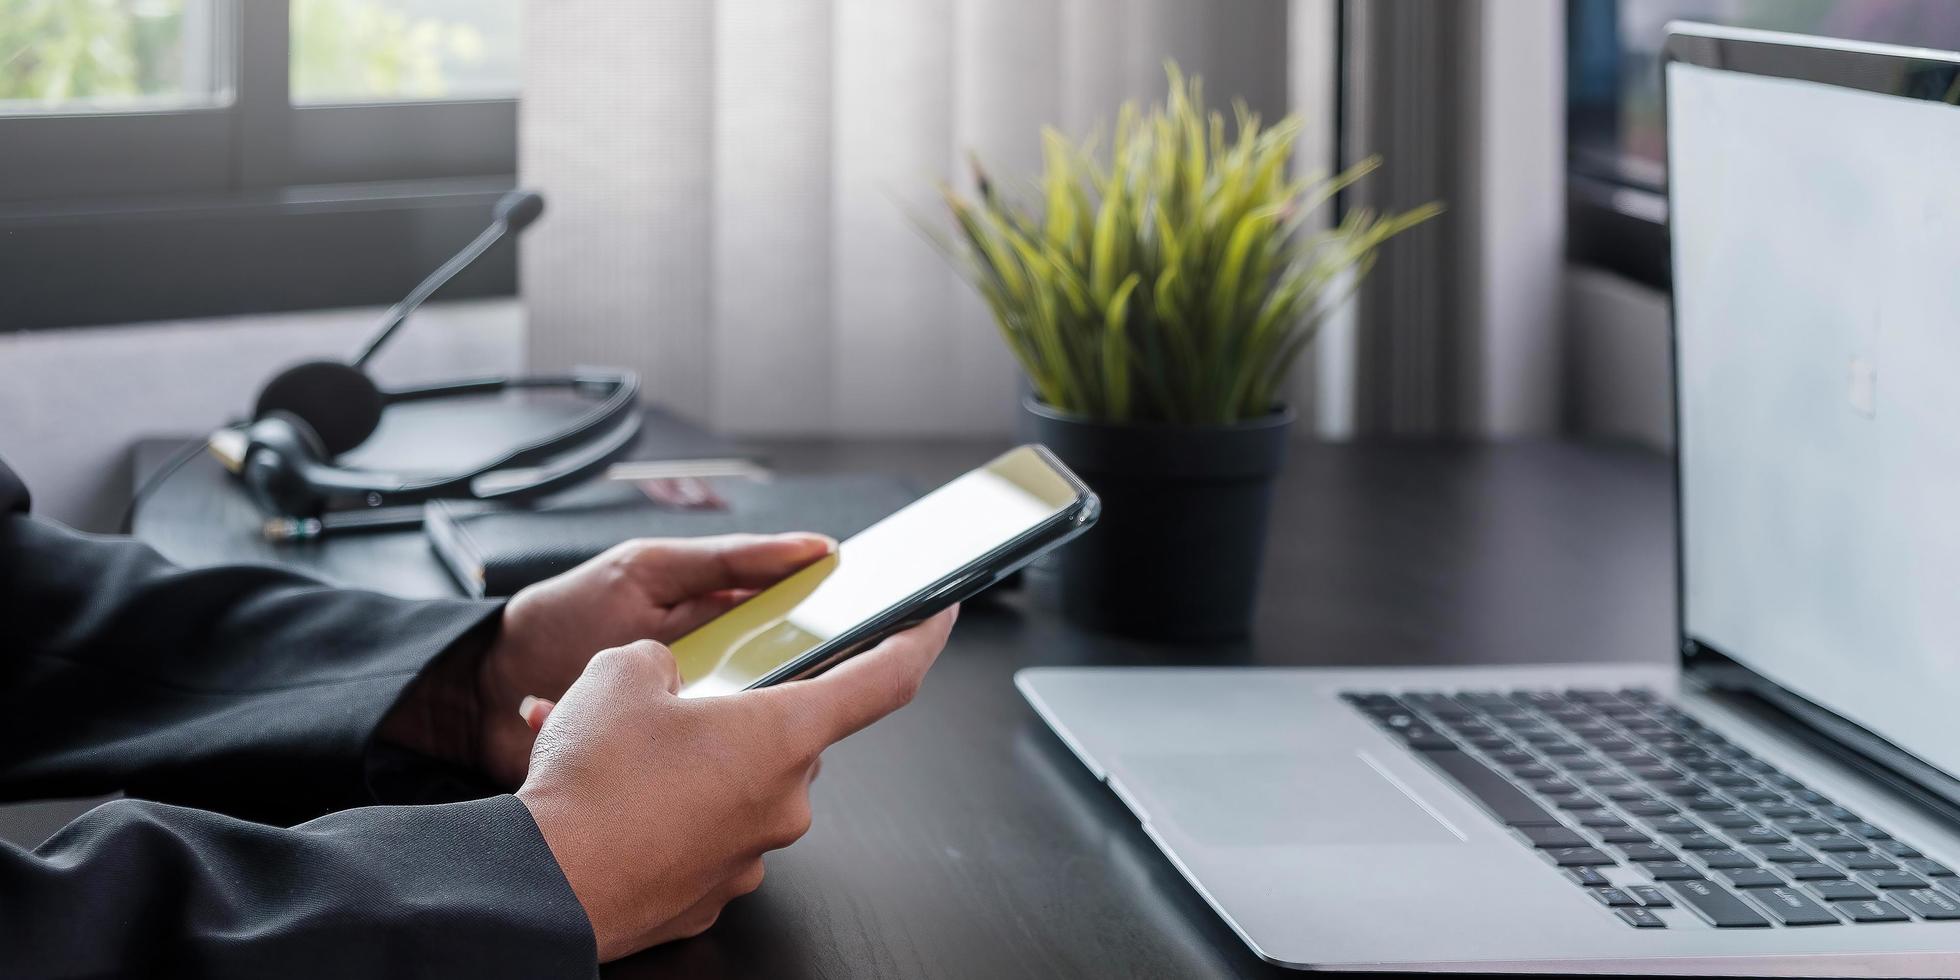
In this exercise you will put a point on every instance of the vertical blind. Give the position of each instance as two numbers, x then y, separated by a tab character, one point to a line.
734	188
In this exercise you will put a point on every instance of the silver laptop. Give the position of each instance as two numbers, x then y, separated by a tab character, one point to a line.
1783	803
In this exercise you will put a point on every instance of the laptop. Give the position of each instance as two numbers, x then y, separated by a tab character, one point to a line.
1781	802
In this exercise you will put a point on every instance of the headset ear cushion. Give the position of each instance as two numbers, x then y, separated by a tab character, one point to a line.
279	450
339	403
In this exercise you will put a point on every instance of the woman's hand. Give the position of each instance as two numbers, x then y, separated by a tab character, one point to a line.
650	589
659	809
466	708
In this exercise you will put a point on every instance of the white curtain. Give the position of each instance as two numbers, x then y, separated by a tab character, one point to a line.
731	186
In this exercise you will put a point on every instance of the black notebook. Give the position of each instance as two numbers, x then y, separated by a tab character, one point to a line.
496	552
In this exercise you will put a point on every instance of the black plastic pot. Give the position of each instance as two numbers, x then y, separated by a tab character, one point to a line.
1177	551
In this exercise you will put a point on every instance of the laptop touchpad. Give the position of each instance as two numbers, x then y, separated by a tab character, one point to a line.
1304	797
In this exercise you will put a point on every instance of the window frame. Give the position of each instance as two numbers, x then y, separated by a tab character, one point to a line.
292	176
1612	223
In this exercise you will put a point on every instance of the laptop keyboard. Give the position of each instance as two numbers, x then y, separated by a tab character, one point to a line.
1603	783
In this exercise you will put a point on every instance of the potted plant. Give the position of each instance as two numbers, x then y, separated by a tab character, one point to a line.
1157	303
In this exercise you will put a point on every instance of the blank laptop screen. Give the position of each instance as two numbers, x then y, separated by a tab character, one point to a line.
1816	236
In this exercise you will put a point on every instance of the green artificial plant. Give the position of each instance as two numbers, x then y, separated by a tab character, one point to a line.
1177	283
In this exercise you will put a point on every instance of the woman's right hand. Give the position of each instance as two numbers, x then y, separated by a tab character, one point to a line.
659	809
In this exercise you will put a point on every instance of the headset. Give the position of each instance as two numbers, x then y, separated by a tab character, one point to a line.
312	413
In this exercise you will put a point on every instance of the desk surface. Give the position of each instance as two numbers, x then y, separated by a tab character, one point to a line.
960	839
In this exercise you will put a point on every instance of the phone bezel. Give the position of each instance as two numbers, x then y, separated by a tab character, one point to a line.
956	586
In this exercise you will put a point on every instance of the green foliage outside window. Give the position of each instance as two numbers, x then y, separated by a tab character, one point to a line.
57	53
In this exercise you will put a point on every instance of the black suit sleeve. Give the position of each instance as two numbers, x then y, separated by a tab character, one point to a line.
232	688
141	889
248	689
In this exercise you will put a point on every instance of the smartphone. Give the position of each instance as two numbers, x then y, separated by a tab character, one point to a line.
940	549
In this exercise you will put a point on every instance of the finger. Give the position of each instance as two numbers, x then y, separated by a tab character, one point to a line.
689	614
534	710
872	684
641	665
676	569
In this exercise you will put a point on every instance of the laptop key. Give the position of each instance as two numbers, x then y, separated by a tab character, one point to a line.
1669	871
1647	808
1866	861
1425	739
1891	879
1651	896
1613	897
1839	891
1755	834
1929	867
1724	858
1623	834
1573	857
1732	820
1927	903
1647	852
1784	854
1506	802
1793	908
1590	877
1752	877
1805	825
1640	918
1811	871
1867	831
1896	848
1673	825
1872	910
1833	842
1715	904
1699	841
1552	836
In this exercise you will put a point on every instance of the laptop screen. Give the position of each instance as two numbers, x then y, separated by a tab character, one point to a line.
1816	237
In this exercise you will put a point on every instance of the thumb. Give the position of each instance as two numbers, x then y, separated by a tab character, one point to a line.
874	683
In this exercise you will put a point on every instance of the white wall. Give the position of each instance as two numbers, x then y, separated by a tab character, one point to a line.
73	401
1617	370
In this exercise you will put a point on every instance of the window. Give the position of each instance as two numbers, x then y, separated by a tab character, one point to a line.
1616	151
403	50
72	57
255	128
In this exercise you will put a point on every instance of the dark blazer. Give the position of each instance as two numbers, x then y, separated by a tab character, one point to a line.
236	692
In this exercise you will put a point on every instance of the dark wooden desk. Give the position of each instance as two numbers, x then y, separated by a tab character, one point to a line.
960	839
